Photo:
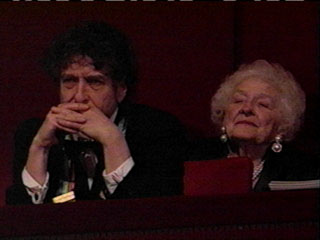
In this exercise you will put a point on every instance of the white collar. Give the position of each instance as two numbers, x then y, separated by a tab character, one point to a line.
114	115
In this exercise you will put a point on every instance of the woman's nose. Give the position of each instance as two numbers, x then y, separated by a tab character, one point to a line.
247	109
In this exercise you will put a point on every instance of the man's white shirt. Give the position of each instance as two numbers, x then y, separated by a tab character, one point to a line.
38	192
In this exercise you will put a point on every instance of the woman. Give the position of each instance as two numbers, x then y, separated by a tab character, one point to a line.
259	108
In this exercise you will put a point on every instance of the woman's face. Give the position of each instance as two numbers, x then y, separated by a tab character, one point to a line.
252	113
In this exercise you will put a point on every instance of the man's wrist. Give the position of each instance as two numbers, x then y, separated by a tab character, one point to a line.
116	153
39	144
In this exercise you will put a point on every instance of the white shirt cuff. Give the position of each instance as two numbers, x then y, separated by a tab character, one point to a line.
115	177
35	190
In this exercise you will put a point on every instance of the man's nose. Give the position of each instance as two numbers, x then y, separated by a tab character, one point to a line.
81	94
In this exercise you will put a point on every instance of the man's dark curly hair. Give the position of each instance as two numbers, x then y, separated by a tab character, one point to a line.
109	49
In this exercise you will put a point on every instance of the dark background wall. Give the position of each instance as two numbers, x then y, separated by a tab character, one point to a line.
184	50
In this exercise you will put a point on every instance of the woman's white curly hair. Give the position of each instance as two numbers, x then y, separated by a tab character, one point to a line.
291	97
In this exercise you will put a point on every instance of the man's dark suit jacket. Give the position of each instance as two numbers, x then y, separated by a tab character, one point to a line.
157	144
288	165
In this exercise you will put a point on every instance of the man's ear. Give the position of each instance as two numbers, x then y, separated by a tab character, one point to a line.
121	92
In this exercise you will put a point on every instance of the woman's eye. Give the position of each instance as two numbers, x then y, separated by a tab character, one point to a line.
238	100
264	105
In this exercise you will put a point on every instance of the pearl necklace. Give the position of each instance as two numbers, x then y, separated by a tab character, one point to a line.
257	170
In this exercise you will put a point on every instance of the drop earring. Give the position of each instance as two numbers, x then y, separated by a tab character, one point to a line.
277	146
224	136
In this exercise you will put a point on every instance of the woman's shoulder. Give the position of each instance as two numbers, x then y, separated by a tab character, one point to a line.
297	163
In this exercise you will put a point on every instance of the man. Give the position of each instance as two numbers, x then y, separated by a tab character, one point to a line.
94	143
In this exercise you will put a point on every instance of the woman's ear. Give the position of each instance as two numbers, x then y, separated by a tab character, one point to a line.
282	130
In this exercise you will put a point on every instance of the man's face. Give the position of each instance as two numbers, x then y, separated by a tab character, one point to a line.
80	82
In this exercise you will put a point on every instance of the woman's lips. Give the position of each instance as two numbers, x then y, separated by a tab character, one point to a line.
247	123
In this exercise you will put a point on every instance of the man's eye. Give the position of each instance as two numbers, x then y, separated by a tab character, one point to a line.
68	82
95	83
